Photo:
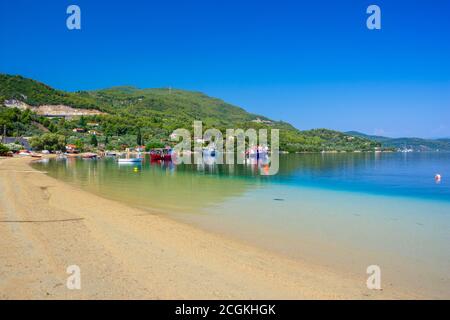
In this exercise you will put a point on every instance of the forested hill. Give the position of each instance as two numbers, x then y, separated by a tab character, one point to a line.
151	114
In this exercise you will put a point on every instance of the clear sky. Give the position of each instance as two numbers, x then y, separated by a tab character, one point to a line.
311	63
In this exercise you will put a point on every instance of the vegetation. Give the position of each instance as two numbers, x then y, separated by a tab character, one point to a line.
20	123
35	93
49	141
15	147
136	116
94	141
3	149
154	145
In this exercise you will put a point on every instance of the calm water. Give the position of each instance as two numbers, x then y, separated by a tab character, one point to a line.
346	211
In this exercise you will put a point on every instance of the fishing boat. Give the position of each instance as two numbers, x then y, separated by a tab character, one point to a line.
89	155
161	154
110	154
210	151
258	152
24	153
128	159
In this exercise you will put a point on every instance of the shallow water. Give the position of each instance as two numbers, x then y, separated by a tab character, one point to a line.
346	211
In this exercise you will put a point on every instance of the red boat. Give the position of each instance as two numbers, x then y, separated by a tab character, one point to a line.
161	154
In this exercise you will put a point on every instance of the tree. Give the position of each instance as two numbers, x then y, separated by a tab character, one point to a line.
14	147
46	123
139	137
48	141
3	149
79	145
94	141
82	122
62	122
154	145
52	128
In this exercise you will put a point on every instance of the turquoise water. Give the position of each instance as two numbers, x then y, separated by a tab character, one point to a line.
346	211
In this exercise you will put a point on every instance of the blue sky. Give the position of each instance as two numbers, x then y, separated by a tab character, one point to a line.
311	63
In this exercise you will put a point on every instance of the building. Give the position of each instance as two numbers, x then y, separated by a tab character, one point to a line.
17	140
71	148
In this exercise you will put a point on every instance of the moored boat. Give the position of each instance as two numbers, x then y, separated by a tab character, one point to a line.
210	150
89	155
161	154
129	160
258	152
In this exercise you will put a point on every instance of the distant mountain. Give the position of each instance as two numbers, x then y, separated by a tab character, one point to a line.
366	136
127	113
416	144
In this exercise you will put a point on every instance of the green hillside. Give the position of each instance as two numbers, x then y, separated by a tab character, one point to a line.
137	115
36	93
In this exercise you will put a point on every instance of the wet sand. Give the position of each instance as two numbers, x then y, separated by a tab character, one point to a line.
127	253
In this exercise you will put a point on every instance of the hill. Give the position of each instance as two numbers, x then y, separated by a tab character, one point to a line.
366	136
131	115
416	144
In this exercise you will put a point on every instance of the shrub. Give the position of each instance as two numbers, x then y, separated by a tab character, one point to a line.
14	147
154	145
48	141
3	149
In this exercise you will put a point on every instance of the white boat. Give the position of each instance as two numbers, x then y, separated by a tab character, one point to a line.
129	160
210	151
258	152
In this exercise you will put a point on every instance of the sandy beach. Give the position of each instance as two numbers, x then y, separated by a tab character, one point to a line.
127	253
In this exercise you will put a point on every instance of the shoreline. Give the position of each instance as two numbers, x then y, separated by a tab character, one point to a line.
128	253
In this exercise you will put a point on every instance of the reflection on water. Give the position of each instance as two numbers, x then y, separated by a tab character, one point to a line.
394	174
346	211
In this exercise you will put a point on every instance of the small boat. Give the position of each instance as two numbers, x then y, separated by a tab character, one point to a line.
258	152
129	160
156	155
24	153
210	151
110	154
71	155
89	155
161	154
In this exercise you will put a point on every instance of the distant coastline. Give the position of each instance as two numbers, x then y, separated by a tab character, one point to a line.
118	118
